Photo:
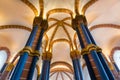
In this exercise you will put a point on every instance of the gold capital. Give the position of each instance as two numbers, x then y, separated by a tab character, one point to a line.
75	54
47	56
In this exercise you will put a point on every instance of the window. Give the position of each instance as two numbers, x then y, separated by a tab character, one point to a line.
3	58
116	58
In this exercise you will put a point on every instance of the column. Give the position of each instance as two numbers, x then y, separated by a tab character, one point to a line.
89	47
83	43
44	26
27	51
99	52
75	56
47	56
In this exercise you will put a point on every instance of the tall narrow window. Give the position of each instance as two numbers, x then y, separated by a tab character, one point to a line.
116	57
3	58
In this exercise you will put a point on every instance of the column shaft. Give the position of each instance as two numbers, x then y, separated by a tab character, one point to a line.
19	67
35	59
45	70
104	63
27	51
90	70
46	57
95	56
75	56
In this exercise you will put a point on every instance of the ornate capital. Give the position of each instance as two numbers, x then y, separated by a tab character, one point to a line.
78	20
30	51
37	21
47	56
10	67
81	19
75	54
89	48
98	49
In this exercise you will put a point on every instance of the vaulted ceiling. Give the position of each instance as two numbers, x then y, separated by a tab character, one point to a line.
16	18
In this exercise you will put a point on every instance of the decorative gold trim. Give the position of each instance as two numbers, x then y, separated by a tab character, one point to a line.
98	49
104	26
41	5
47	56
61	63
59	23
75	54
74	41
53	25
68	37
46	38
38	69
53	34
86	6
9	67
35	53
59	40
89	48
16	27
30	51
63	10
31	6
53	19
60	70
77	6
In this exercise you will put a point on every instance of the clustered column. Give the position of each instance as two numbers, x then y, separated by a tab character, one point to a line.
95	62
46	65
75	56
31	49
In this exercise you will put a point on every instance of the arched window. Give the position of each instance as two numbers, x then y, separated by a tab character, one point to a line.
4	54
116	57
3	58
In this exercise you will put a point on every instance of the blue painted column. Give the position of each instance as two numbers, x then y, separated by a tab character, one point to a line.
103	61
47	56
44	26
89	66
26	51
75	55
95	57
90	48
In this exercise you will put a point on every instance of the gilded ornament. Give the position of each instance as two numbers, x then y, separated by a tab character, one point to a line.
89	48
9	67
30	51
75	54
47	56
